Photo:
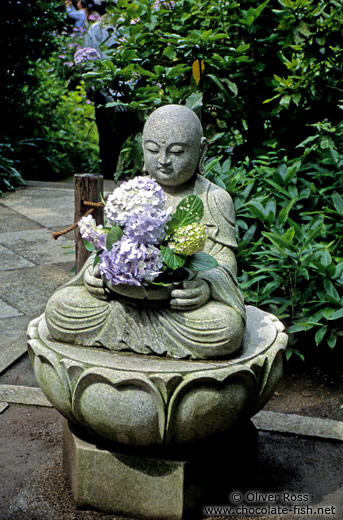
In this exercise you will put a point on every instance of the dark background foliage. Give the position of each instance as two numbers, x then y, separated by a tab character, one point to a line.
40	125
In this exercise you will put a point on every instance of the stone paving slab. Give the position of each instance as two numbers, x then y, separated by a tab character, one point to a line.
28	290
7	311
37	247
299	425
49	208
3	407
11	260
11	220
20	372
11	354
23	395
13	329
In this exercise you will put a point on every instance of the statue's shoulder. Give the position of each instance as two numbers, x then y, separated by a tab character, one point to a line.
216	196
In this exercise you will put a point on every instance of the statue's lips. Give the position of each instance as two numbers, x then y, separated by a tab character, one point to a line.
165	171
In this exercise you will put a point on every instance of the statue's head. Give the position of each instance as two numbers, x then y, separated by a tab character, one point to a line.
173	145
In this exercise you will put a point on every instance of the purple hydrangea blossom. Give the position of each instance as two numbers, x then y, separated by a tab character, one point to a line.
130	262
86	54
96	235
138	206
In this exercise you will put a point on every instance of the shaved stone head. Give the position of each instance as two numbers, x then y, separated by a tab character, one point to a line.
173	145
174	119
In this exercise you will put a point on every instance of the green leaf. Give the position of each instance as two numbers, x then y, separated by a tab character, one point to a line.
336	315
189	210
278	240
325	258
331	290
257	210
113	236
303	326
320	334
337	202
170	52
201	262
171	259
332	341
172	225
217	81
232	86
96	259
87	245
291	351
195	101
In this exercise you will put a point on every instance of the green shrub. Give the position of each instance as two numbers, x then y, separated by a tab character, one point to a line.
47	126
290	224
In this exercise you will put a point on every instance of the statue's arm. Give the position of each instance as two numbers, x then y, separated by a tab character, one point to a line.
94	283
90	278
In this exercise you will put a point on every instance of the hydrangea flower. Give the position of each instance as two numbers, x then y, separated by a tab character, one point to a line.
138	206
187	240
96	235
86	54
130	262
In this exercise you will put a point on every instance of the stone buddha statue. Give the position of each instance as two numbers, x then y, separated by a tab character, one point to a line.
205	317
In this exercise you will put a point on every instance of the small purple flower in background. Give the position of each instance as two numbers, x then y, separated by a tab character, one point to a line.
68	63
130	262
96	235
86	54
97	2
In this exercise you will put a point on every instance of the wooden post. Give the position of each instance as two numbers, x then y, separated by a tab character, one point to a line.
87	186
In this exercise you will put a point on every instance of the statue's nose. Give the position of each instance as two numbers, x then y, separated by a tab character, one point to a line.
164	158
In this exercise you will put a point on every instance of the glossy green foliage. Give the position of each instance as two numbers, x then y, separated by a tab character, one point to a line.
290	232
256	72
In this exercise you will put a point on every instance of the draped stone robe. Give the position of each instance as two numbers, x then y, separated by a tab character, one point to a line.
214	330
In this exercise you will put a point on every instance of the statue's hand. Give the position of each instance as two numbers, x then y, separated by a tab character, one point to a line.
94	283
194	294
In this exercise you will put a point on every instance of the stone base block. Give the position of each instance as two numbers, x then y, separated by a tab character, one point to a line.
158	484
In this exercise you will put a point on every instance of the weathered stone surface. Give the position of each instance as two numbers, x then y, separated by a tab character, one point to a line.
7	311
3	407
10	260
11	354
23	395
168	485
28	289
35	205
299	425
143	400
12	221
32	246
11	332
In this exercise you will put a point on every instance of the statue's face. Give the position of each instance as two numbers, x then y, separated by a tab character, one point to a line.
171	152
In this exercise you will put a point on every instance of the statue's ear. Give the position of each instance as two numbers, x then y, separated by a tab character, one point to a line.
203	150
